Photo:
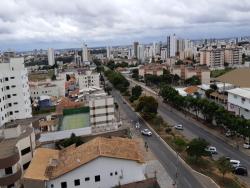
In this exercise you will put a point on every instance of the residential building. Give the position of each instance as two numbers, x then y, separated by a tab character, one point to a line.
185	72
101	162
108	52
239	101
17	146
102	113
7	56
135	48
233	55
153	69
51	56
85	53
171	45
164	54
214	58
43	88
14	91
88	79
140	52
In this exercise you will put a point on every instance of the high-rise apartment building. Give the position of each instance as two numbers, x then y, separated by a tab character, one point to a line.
51	56
140	52
214	58
108	52
14	91
233	55
171	45
89	79
135	48
85	53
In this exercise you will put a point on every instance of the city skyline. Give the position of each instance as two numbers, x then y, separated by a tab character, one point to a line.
25	25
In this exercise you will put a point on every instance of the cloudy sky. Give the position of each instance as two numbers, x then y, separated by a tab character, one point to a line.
28	24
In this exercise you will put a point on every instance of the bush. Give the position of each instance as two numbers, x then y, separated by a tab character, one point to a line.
168	130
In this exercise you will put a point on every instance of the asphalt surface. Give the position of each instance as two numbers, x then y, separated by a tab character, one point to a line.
190	126
223	148
185	176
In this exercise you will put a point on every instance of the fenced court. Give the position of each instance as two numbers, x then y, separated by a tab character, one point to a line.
75	119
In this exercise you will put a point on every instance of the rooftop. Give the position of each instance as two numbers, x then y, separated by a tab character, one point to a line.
49	164
243	92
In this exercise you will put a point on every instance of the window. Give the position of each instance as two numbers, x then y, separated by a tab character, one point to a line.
116	173
52	185
77	182
16	111
111	173
8	96
11	113
97	178
8	170
7	87
13	94
87	179
64	184
13	86
12	77
6	79
26	165
25	151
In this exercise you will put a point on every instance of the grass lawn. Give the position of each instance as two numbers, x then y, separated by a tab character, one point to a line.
217	73
75	121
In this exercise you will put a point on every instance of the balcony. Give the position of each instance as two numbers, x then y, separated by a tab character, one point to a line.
12	178
9	157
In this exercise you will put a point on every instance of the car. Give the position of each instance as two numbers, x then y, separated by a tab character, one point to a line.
246	145
137	125
211	149
178	127
146	132
240	170
235	163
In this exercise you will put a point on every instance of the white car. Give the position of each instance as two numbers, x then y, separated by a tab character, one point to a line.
178	127
246	145
211	149
235	163
146	132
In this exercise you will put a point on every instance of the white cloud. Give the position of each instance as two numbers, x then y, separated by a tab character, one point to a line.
32	21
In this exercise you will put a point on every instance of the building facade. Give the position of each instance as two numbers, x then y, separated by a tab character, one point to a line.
39	89
214	58
153	69
239	102
17	147
85	53
102	113
14	91
233	55
89	79
101	162
51	56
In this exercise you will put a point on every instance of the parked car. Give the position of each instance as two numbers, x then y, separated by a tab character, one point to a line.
211	149
137	125
235	163
246	145
240	170
146	132
178	127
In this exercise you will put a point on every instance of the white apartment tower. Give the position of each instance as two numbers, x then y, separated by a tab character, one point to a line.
171	45
140	52
85	53
108	52
89	79
51	56
14	91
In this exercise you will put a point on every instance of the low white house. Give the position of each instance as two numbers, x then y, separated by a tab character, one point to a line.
99	163
239	101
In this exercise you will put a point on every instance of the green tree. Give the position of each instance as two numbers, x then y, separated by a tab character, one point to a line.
147	105
136	91
224	166
73	139
213	87
194	80
196	148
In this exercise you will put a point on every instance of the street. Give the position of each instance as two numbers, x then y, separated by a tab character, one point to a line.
192	129
185	177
